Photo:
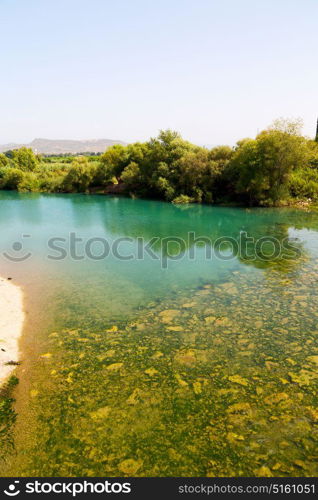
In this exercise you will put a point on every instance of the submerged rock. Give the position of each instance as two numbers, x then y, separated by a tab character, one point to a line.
168	315
130	466
237	379
101	413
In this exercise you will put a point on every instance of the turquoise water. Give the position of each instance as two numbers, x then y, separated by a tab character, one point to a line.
174	363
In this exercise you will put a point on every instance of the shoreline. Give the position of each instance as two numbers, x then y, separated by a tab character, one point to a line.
11	326
301	204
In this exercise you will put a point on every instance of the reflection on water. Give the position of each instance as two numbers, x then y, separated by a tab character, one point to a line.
208	367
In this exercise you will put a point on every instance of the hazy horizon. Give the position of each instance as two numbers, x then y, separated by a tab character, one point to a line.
214	71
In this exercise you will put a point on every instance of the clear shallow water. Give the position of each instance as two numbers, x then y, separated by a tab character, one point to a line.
156	366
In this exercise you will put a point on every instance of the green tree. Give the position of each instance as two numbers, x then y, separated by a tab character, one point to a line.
29	182
264	165
191	170
131	175
79	176
3	160
25	159
113	162
313	154
12	178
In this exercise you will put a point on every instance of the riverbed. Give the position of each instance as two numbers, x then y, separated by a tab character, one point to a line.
161	340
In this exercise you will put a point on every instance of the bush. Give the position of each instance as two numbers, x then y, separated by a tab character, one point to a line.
3	172
268	170
113	161
263	166
12	178
183	199
25	159
304	184
29	182
131	174
3	160
79	177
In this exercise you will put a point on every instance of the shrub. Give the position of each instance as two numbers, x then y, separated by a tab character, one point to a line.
131	174
79	177
183	199
29	182
12	178
304	183
3	160
25	159
264	165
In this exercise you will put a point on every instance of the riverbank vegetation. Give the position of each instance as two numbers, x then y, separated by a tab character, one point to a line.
279	166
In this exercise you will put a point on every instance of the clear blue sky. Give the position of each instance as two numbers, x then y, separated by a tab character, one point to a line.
215	70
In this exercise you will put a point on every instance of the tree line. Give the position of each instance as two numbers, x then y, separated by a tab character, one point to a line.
277	167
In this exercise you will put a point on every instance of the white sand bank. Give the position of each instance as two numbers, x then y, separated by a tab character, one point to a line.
11	324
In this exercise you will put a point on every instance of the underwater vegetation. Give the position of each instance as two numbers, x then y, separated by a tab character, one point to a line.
7	417
206	368
216	380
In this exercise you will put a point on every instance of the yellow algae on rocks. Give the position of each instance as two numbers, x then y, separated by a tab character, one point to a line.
157	355
134	397
232	437
168	315
209	319
180	380
47	355
313	359
175	328
263	471
197	387
130	466
113	329
151	372
302	378
114	367
229	288
258	324
186	357
276	398
237	379
101	413
313	413
223	322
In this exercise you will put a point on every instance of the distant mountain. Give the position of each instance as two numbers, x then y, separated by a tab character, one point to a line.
52	147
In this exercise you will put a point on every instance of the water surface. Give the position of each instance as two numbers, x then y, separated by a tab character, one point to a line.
188	366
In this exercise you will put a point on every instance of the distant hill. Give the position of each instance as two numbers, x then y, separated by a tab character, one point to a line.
56	147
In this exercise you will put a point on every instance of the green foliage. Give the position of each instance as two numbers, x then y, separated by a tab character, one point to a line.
11	178
304	184
262	166
278	164
29	182
131	174
113	161
79	177
182	199
7	417
4	161
312	154
25	159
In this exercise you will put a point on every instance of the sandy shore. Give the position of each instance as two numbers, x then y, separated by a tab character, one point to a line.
11	324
